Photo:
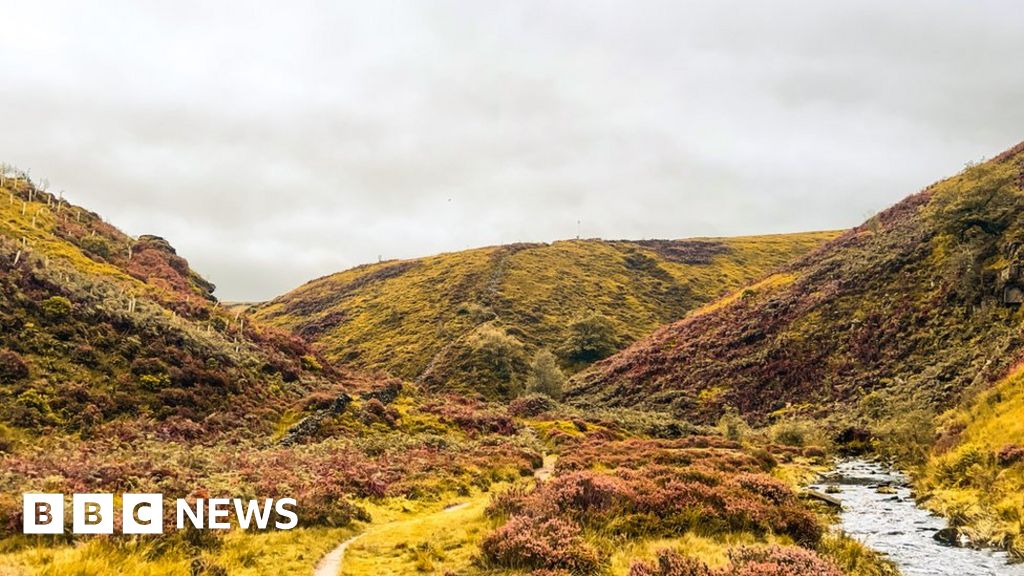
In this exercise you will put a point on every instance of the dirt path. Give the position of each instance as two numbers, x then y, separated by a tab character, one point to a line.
547	469
330	565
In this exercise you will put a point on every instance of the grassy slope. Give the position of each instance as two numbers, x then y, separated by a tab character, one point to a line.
418	317
907	303
976	474
96	325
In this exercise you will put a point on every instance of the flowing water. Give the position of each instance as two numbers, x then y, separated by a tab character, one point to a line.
893	524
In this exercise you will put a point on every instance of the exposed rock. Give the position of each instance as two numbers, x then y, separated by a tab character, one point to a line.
385	394
311	424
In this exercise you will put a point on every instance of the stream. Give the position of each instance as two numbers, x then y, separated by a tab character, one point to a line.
894	525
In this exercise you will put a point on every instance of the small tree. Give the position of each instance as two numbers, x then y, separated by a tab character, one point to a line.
498	359
590	338
733	426
545	376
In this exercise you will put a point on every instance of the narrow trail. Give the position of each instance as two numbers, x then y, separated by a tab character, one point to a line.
330	565
547	468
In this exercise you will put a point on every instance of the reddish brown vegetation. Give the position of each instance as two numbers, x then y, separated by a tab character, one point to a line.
472	416
644	488
771	561
900	303
1010	455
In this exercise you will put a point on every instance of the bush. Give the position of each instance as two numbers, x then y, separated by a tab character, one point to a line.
501	355
56	308
1010	455
545	376
97	246
12	367
531	405
779	561
528	543
309	362
7	438
31	409
671	563
794	433
733	426
590	339
374	411
666	488
908	437
745	561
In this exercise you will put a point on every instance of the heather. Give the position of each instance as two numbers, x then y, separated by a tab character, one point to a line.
429	407
771	561
97	325
918	302
323	475
638	489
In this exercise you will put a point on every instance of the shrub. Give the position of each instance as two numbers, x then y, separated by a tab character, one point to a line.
908	437
1010	455
545	376
733	426
12	367
591	338
309	362
501	355
7	438
31	409
473	417
507	502
778	561
374	411
666	488
56	308
531	405
793	433
744	561
670	563
528	543
97	246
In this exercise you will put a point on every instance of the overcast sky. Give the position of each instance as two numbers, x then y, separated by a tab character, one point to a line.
275	142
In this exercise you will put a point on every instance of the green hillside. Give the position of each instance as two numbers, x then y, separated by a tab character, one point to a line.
975	475
919	304
98	325
473	320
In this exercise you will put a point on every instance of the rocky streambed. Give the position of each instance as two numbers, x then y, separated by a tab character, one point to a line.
879	510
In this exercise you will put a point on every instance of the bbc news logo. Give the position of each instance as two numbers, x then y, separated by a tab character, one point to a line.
144	513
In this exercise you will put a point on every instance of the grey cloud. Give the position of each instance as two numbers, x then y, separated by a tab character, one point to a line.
273	143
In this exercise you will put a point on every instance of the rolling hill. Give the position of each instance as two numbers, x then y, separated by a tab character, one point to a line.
96	325
921	303
473	320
